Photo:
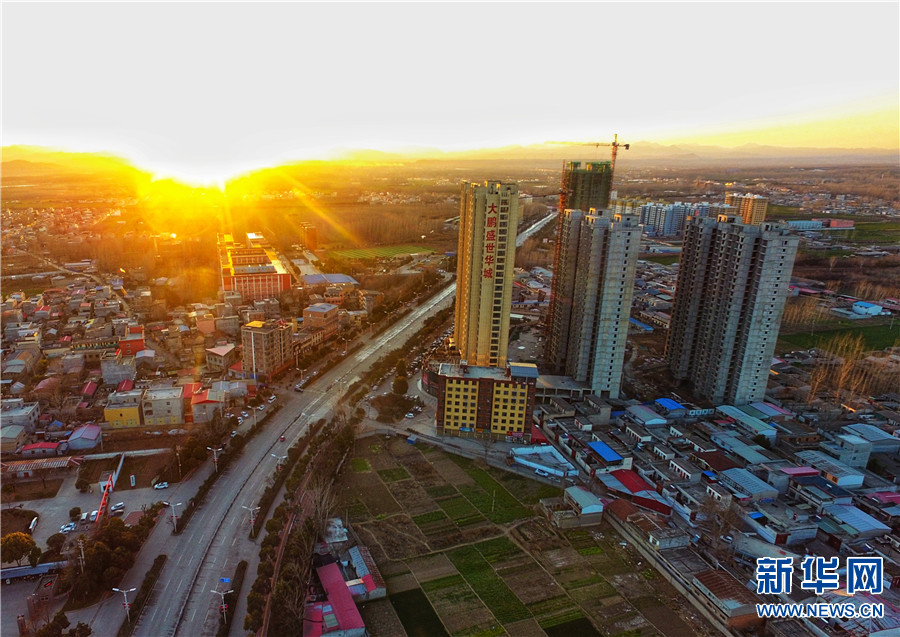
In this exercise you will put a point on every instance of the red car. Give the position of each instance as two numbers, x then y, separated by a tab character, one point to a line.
282	439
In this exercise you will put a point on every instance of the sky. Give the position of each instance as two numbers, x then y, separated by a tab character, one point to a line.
206	90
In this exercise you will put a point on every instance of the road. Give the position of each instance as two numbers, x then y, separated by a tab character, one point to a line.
217	539
522	236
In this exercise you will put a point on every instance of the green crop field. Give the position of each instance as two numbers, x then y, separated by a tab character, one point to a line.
492	590
383	251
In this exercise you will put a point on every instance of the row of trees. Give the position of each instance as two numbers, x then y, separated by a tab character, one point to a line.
851	370
107	556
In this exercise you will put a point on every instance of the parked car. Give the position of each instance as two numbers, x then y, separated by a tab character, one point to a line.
234	433
261	408
541	473
119	506
282	438
161	485
245	414
68	528
409	414
94	515
271	399
240	421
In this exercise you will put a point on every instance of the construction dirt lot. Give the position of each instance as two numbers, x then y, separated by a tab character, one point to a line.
464	552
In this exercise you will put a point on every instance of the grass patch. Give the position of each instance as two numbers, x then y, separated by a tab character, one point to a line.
442	490
591	550
357	512
443	582
477	631
383	251
774	211
431	516
549	606
562	618
394	475
360	464
879	232
875	337
664	259
33	490
595	591
495	502
16	520
492	590
498	549
584	581
457	508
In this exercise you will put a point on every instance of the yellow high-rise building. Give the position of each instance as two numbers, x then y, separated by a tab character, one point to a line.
489	214
752	208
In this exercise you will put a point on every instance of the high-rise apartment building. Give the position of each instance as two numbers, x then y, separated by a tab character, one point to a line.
309	235
266	348
663	219
732	286
489	214
751	208
252	269
583	187
593	285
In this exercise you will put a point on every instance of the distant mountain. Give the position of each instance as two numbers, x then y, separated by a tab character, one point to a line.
27	161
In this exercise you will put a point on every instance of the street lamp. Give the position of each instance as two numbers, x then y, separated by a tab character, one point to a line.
175	519
253	511
223	607
280	459
126	604
215	457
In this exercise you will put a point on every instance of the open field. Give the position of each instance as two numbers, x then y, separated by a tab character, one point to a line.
464	552
383	251
664	259
16	520
31	490
877	232
875	337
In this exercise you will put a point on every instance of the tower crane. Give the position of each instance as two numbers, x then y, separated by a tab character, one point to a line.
614	143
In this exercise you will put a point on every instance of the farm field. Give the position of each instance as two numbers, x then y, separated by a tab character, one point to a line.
383	251
464	552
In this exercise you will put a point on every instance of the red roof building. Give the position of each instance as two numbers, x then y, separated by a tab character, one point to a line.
338	616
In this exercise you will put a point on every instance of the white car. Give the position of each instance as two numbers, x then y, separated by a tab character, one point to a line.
245	414
271	399
94	515
161	485
117	506
261	408
541	473
67	528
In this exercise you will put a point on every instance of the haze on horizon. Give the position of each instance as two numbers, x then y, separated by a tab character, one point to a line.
205	91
